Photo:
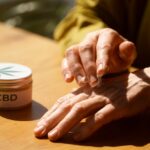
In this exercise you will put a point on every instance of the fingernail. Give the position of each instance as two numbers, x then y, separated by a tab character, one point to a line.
93	81
100	70
81	79
53	135
67	76
39	128
100	67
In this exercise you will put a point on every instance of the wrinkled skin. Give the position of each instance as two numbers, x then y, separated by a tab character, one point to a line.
117	97
101	52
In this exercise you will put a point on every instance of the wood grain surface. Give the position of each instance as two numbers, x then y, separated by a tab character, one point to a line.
44	56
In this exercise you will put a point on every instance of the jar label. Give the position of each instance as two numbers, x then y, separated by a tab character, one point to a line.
8	97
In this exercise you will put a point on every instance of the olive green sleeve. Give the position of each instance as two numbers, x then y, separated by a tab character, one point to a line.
80	20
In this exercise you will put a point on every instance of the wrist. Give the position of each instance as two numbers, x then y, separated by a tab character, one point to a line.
147	72
144	74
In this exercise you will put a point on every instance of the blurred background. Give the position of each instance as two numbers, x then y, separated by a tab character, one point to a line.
38	16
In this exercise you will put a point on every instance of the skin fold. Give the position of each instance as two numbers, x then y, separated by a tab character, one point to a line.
101	52
117	97
103	55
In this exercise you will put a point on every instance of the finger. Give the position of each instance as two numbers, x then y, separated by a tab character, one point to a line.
94	122
74	63
55	106
127	52
66	71
76	114
40	128
87	56
51	120
64	98
107	42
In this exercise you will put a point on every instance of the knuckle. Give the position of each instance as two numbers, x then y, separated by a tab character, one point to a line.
66	106
92	35
105	46
109	31
78	108
71	50
76	68
113	33
99	117
90	66
85	47
45	122
59	101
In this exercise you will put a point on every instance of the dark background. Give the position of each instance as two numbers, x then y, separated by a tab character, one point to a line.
38	16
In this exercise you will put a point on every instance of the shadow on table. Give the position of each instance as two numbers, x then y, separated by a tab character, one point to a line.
28	113
132	131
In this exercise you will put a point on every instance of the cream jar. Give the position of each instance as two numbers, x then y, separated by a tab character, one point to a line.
15	86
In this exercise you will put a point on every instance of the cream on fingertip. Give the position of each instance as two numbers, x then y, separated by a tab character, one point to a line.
100	70
81	79
93	81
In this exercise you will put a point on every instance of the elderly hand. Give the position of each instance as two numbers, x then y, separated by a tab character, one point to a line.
101	52
118	97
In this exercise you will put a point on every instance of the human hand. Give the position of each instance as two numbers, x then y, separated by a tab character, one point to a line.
101	52
118	97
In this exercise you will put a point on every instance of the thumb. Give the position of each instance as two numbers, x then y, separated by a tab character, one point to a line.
127	52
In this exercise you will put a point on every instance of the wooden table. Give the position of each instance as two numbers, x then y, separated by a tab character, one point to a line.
16	127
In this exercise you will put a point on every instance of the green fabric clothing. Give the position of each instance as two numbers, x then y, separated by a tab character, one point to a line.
129	17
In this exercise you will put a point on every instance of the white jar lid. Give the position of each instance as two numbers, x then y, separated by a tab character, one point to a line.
12	71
